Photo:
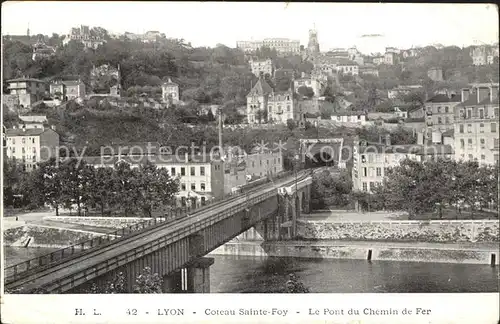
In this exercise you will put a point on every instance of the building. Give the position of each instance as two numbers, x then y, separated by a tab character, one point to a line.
257	101
84	36
349	117
262	164
368	69
318	86
30	146
355	55
390	58
68	90
484	55
309	106
476	124
313	45
402	90
281	45
33	121
24	92
435	74
372	161
263	67
378	60
439	111
40	50
170	92
282	106
347	67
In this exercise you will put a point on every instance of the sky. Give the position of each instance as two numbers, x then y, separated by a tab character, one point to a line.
209	23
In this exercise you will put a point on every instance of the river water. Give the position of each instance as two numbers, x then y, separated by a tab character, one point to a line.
237	274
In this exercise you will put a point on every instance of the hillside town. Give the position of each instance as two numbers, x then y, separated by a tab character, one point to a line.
271	139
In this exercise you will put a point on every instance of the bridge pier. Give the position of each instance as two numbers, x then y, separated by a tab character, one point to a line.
172	283
198	276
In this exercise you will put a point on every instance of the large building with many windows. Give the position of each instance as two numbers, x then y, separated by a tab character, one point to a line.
30	146
281	45
476	124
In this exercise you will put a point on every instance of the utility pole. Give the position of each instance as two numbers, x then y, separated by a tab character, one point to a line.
220	133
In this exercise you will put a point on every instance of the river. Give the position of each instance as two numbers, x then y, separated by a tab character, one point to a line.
236	274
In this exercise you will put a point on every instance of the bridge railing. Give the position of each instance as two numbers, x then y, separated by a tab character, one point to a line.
15	271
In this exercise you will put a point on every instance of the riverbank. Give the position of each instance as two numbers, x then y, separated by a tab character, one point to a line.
466	253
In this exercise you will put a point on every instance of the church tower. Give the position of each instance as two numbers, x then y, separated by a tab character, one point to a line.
313	45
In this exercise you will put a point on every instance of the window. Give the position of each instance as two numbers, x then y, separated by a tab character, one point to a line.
365	186
439	120
279	160
461	128
270	108
13	149
446	109
192	171
482	142
22	150
370	158
439	110
493	127
483	157
481	128
260	162
372	185
363	158
34	150
193	186
469	128
13	141
379	172
183	186
496	112
183	171
33	140
288	108
24	141
469	141
202	171
495	157
481	113
462	143
172	171
471	157
364	172
469	113
386	170
496	143
253	164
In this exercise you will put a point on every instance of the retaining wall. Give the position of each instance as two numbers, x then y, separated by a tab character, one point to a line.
421	231
108	222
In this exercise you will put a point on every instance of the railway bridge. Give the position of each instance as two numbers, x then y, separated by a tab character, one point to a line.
174	249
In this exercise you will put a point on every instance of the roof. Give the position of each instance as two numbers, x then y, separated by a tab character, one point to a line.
26	132
71	83
25	80
472	101
261	88
155	159
442	98
341	61
449	133
34	118
169	82
406	149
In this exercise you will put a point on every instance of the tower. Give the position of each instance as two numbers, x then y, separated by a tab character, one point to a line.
313	45
28	30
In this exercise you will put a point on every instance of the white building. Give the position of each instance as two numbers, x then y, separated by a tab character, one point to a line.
281	45
170	92
318	86
349	117
261	66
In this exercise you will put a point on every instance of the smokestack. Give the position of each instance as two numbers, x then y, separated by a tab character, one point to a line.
465	94
220	133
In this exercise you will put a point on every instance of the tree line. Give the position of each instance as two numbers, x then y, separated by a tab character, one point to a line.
73	184
434	186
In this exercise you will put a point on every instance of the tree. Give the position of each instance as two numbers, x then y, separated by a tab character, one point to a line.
306	91
155	186
103	185
148	282
46	184
77	178
290	123
294	286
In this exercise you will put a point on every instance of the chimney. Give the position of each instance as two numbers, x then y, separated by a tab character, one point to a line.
482	93
465	94
186	157
388	139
